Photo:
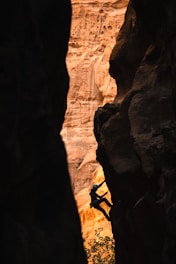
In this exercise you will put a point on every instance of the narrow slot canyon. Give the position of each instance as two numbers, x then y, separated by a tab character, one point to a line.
92	38
88	97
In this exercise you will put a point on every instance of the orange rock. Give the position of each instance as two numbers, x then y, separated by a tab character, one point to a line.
94	27
91	218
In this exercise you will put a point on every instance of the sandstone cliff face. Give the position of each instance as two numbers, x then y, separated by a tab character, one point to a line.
95	227
94	26
39	222
91	218
136	135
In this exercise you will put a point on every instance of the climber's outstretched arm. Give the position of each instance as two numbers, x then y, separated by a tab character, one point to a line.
104	194
101	184
99	196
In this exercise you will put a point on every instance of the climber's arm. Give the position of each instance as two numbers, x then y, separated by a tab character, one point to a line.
104	194
99	196
101	183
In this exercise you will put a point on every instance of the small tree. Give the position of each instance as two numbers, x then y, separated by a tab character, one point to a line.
100	250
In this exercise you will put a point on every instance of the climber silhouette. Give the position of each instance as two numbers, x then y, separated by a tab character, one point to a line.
97	199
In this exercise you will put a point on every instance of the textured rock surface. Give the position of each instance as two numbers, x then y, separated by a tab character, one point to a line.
92	220
39	222
136	135
94	26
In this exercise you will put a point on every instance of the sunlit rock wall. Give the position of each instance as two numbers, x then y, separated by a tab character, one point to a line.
136	135
94	26
95	227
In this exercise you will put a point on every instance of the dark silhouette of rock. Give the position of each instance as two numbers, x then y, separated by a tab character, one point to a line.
39	222
137	135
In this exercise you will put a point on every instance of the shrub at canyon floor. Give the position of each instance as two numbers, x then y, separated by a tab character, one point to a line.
100	249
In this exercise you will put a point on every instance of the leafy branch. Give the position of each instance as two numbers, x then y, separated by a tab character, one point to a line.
100	250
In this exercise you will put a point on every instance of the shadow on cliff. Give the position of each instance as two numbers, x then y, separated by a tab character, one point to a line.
39	219
136	135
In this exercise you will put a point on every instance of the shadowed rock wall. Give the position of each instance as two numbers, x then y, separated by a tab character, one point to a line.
38	216
136	135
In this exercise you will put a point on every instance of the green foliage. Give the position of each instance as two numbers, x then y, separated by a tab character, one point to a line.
101	249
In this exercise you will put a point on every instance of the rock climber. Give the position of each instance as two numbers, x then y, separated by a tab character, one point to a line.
97	199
